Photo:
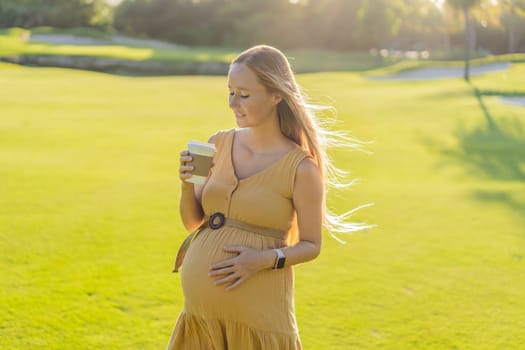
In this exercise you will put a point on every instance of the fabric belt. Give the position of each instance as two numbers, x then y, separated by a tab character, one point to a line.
216	221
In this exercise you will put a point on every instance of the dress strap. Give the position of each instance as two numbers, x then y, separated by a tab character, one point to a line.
296	158
222	136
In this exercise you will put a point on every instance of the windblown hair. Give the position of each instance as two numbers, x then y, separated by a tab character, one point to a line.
298	122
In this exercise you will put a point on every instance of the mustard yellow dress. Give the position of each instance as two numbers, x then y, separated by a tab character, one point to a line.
259	313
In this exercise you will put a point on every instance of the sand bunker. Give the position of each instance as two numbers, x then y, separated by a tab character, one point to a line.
431	73
67	39
514	100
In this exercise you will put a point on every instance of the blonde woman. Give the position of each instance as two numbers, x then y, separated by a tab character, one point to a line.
259	213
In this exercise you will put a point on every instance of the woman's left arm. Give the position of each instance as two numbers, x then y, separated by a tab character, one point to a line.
308	202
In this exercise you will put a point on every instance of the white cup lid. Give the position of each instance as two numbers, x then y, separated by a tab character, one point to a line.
201	147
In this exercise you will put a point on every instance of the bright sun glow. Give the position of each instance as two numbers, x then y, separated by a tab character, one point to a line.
113	2
439	3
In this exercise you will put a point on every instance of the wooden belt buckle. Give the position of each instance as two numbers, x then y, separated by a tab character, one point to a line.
216	220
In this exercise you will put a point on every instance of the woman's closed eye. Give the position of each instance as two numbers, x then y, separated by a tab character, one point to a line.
241	95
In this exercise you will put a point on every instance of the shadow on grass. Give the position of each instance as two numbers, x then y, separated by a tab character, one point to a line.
501	197
494	150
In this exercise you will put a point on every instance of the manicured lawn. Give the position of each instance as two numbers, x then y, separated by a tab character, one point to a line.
13	43
89	221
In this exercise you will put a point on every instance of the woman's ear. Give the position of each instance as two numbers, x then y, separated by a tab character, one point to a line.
277	98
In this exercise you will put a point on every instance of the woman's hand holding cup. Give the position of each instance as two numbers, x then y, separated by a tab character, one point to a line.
200	156
186	166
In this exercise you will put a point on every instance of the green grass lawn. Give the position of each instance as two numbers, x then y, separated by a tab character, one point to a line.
13	43
89	211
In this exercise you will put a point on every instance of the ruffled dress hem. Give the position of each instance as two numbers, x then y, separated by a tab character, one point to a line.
194	333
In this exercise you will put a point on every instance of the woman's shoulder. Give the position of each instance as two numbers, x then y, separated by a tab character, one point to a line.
300	156
308	177
307	167
220	135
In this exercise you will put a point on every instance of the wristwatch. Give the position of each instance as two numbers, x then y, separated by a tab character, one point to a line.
279	260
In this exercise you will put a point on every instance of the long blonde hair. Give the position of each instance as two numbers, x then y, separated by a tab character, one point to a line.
298	122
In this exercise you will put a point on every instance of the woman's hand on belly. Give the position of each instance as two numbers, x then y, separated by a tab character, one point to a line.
236	270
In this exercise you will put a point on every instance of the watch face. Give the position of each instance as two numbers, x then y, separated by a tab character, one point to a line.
280	262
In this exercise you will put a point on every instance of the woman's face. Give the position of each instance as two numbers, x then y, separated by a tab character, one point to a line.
249	100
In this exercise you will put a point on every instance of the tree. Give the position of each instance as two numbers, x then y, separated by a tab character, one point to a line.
465	6
513	13
378	22
56	13
421	25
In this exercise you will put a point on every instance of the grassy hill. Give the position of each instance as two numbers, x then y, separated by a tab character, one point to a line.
89	219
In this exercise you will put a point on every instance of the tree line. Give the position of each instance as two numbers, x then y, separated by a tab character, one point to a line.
56	13
497	26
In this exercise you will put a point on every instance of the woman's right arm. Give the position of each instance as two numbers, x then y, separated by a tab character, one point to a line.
190	206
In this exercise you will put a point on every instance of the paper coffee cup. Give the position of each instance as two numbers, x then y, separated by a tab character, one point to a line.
202	154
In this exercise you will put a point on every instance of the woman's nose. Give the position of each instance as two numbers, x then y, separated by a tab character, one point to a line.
234	101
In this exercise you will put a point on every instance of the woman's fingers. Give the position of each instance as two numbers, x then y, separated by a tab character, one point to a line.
235	284
237	269
222	271
225	267
185	156
185	159
233	277
229	278
223	263
185	171
186	168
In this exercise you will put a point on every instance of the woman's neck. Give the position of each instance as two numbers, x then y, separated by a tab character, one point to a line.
266	138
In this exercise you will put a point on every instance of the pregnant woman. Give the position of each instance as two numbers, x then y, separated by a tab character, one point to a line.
259	213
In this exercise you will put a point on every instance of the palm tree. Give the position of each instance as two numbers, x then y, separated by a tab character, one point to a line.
465	6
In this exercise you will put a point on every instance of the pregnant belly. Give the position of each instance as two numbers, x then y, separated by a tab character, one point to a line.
267	288
206	249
